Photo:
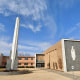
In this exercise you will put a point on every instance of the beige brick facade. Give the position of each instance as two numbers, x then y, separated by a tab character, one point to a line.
53	57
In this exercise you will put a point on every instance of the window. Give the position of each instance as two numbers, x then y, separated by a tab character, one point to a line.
26	58
31	58
5	58
19	58
5	63
19	63
31	63
25	63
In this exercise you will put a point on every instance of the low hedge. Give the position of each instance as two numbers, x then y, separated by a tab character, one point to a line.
20	67
26	67
29	66
2	66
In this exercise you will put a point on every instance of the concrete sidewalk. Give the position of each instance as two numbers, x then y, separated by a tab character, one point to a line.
36	74
66	74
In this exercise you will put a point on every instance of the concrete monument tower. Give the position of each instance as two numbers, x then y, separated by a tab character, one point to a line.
13	61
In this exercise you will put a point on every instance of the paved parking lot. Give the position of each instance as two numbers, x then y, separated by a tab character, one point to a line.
36	74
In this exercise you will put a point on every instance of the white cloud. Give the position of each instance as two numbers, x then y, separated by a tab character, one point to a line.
34	29
72	37
5	38
71	30
42	45
39	45
22	53
77	26
30	47
27	47
34	9
2	27
23	7
51	25
66	3
5	47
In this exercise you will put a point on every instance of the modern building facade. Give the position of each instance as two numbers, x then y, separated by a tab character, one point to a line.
39	60
63	56
23	61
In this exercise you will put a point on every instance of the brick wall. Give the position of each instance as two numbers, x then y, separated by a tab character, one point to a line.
29	61
53	57
21	62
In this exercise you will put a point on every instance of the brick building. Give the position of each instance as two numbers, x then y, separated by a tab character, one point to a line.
60	56
22	61
26	61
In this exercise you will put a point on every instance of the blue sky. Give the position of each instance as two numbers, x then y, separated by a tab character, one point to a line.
42	23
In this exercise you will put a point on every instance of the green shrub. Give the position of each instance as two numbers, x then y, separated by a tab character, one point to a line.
26	67
29	66
20	66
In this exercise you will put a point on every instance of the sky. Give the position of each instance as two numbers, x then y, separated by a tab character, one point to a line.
42	24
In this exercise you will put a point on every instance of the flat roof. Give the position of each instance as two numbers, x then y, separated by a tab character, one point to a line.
25	56
21	56
70	39
40	54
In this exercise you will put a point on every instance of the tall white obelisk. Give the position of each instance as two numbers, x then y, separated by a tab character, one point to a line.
12	62
15	42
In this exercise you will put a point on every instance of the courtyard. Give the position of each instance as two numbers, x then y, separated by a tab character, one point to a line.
40	74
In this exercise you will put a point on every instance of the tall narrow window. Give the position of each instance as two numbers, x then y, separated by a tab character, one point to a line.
5	63
31	58
5	58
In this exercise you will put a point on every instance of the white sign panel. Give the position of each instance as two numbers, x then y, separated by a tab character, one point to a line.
72	67
73	54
